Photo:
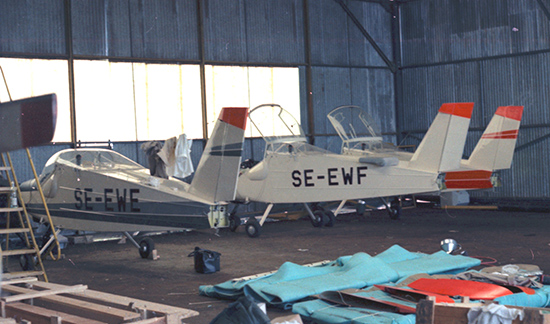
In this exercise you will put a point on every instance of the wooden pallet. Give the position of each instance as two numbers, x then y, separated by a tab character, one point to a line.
53	303
430	312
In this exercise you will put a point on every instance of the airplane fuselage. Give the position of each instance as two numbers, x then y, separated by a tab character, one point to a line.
111	199
295	178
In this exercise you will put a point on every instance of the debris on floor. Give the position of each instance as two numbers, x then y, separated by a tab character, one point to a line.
365	289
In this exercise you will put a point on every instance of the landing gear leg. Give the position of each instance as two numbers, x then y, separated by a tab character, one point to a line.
393	208
234	220
253	227
326	216
317	217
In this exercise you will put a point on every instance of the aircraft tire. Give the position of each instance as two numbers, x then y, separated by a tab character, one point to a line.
252	227
234	222
146	247
27	262
319	218
395	212
330	218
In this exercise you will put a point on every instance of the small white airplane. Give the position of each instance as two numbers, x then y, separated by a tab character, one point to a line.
294	171
102	190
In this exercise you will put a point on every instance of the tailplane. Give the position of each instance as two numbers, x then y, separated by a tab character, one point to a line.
495	149
443	145
216	176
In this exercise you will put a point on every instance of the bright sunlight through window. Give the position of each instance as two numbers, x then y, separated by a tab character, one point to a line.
33	77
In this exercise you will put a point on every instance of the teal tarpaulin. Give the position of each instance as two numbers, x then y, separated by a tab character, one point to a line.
293	282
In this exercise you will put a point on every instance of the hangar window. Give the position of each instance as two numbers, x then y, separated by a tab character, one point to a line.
136	101
121	101
34	77
236	86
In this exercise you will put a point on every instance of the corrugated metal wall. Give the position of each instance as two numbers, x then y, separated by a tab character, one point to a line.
32	27
346	70
493	53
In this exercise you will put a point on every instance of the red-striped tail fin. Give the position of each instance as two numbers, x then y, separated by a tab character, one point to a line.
495	149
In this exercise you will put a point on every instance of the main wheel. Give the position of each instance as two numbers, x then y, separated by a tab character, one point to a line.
146	247
252	227
331	219
395	209
234	222
319	218
27	262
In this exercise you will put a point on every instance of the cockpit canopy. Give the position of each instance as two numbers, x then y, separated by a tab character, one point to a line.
358	131
90	159
281	131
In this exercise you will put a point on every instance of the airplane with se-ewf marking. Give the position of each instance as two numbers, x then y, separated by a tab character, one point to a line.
293	171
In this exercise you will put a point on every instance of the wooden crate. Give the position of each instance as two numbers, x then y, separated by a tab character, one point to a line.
53	303
430	312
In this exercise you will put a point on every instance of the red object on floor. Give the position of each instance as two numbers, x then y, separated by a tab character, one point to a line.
456	287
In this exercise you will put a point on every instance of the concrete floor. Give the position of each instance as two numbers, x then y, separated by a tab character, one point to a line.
505	237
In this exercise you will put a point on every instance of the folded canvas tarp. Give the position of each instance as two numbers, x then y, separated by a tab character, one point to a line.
293	282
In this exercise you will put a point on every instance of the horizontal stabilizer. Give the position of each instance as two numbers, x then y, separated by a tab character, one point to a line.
443	145
470	179
495	149
27	122
216	177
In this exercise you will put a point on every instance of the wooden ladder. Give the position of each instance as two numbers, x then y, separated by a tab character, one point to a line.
29	255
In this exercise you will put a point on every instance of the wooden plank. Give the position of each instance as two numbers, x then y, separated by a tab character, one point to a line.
126	302
156	320
21	274
17	280
425	312
428	312
14	230
39	315
73	306
18	252
37	294
9	209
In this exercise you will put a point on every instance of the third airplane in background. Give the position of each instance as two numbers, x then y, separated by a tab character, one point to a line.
294	171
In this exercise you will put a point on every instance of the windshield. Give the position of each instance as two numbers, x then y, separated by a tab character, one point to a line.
357	129
276	124
91	159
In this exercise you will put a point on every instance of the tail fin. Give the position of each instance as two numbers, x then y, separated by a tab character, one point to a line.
442	147
216	177
495	149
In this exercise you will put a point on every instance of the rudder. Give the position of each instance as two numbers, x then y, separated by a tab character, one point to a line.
495	149
442	147
216	176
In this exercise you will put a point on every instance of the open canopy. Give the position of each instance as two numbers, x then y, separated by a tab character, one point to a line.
358	130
